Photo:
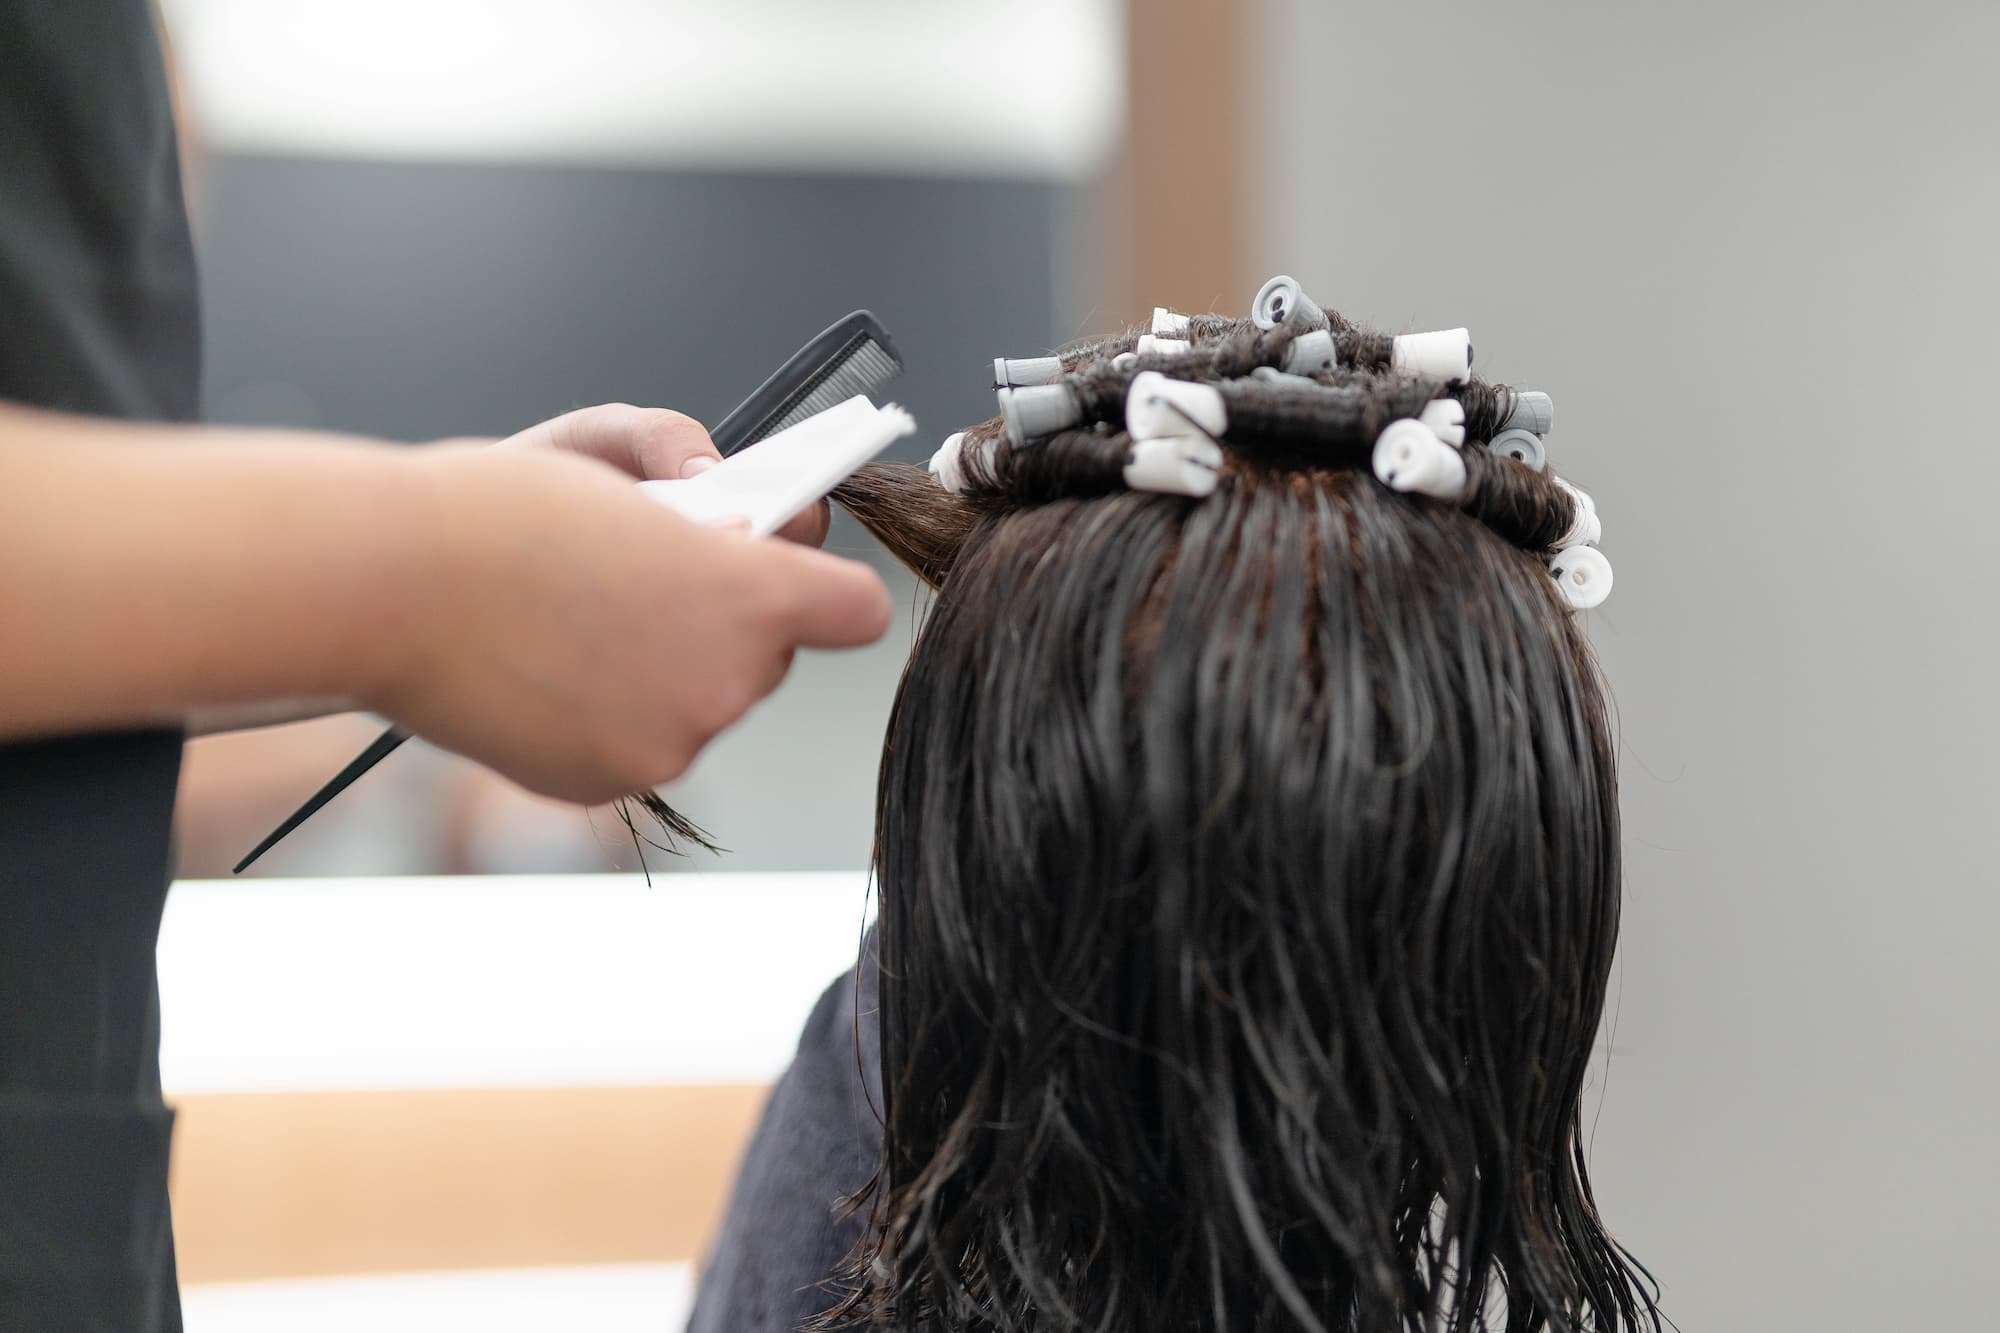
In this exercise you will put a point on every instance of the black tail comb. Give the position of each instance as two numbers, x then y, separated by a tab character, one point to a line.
855	355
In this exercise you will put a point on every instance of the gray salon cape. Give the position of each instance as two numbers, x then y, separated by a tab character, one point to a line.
786	1231
97	315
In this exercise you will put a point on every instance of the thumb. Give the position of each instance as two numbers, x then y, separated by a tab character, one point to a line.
831	602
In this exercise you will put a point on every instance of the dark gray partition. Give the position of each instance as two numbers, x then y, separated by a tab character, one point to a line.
422	300
415	301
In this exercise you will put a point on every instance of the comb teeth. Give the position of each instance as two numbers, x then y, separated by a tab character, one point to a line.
864	368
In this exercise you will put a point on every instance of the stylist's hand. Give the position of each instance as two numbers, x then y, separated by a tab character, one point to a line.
586	641
649	444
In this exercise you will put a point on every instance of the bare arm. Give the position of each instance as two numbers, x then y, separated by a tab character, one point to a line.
146	572
524	606
218	719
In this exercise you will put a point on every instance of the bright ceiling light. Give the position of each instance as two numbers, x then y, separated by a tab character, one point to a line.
928	86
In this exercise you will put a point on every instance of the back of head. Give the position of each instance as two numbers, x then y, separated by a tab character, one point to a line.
1249	879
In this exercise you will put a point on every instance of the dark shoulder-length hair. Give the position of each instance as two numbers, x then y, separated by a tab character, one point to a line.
1249	881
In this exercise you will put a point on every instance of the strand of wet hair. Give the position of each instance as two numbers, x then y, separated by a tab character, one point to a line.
1100	386
1487	406
1202	333
978	450
1203	328
1365	349
1088	461
1524	506
1346	414
1238	348
1080	356
923	525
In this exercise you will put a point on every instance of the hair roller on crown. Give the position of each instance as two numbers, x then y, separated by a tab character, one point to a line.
1446	419
1281	300
964	465
1290	379
1294	378
1038	410
1312	353
1012	372
1486	406
1409	457
1578	494
1174	465
1015	372
1525	507
1443	355
1158	406
1523	446
1585	528
1493	408
1299	413
1583	576
1532	411
948	463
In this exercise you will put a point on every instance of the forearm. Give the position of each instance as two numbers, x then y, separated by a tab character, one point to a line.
220	719
148	572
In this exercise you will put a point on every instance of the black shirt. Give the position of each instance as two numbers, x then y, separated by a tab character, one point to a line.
97	315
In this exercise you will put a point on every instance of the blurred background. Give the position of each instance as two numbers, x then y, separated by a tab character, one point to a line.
1748	247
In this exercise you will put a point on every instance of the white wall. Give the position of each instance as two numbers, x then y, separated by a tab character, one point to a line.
1031	87
1750	249
497	981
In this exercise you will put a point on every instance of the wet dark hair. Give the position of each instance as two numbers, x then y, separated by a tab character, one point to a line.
1249	880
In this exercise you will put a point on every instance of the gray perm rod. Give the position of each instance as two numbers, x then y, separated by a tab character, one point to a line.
382	747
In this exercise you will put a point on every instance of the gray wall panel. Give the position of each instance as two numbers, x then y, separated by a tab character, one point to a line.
1750	249
418	301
